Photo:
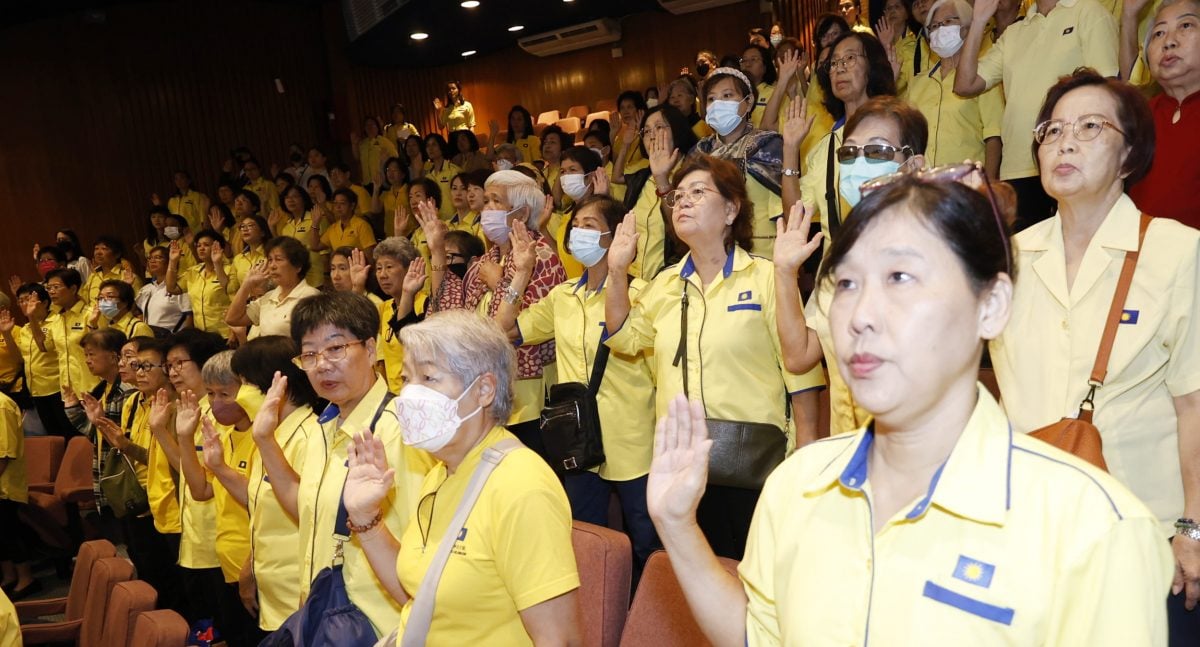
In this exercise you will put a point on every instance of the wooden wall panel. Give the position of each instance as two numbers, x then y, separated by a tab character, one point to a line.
798	17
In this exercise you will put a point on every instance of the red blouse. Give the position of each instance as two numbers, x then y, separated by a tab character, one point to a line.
1168	190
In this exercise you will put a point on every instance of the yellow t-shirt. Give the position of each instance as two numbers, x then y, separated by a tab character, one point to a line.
325	468
41	367
128	324
197	544
268	195
1013	543
273	532
209	300
1045	354
514	551
574	317
13	484
301	231
459	116
559	221
355	233
732	342
388	346
233	519
765	90
529	148
68	328
813	182
443	178
363	207
243	261
156	477
10	624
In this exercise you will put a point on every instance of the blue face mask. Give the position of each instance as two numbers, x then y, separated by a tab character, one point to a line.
861	170
584	245
109	308
723	116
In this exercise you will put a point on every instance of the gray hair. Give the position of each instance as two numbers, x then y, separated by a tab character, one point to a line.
468	346
219	369
397	248
965	12
684	83
522	191
507	148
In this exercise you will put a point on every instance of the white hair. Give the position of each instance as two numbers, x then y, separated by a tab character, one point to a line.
965	13
467	345
521	191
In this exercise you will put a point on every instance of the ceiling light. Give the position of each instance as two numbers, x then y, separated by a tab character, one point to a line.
469	52
516	28
470	4
419	35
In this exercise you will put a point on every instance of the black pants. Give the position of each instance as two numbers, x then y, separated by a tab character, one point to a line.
237	626
14	537
156	558
203	590
53	413
1033	203
1183	626
724	516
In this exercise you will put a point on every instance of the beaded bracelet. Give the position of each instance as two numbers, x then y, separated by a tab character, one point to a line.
358	530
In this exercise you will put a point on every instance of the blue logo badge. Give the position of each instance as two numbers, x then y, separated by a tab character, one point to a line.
1129	316
973	571
745	296
462	535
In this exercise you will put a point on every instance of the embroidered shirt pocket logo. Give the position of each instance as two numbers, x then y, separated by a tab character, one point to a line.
1068	30
744	302
1129	316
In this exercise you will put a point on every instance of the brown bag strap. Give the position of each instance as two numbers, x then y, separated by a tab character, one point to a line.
1100	369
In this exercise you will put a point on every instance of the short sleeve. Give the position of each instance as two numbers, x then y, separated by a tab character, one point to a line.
535	323
254	309
991	112
10	427
794	382
637	333
757	572
991	64
533	554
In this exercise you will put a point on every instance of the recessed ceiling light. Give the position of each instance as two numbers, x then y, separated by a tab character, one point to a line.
419	35
469	52
470	4
516	28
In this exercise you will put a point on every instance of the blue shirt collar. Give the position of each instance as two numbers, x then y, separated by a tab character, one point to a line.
688	268
854	476
332	411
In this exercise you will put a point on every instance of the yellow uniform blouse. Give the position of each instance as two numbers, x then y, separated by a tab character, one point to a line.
443	178
233	519
355	232
209	300
68	328
13	485
301	230
197	544
243	261
42	375
372	153
193	206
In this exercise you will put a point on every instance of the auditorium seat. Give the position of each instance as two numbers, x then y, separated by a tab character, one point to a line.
72	605
605	560
127	600
577	111
161	628
548	117
86	630
43	455
609	105
603	114
660	616
55	516
570	126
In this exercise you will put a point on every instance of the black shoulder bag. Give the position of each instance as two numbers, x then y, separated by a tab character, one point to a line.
571	422
743	453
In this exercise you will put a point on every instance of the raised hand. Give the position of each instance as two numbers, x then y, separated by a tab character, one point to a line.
37	251
214	452
276	218
984	10
272	406
679	470
434	227
359	269
600	181
113	434
93	318
15	283
792	243
320	213
624	245
789	65
215	219
174	252
437	103
186	417
127	274
7	323
663	156
258	275
797	122
68	396
524	252
400	218
414	278
29	309
161	410
886	32
369	479
92	407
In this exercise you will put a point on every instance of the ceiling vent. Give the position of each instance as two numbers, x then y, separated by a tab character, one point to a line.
362	15
678	7
567	39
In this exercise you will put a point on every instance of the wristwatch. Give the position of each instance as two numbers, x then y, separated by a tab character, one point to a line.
791	172
1188	528
510	296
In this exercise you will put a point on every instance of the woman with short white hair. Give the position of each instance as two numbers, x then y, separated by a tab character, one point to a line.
509	197
512	571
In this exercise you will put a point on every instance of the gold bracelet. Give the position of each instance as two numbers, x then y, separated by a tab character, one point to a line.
437	268
358	530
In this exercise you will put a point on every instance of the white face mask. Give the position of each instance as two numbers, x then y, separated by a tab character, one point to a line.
503	165
776	39
651	102
585	246
172	233
429	419
574	185
945	41
495	224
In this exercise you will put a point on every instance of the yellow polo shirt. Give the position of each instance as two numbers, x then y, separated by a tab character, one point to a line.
1046	353
733	355
845	415
575	318
157	475
268	195
443	178
197	544
10	624
272	314
13	484
514	551
768	207
128	324
765	90
372	153
243	261
387	345
68	328
41	367
822	120
209	300
193	206
651	231
300	230
325	468
559	221
390	198
91	287
354	233
233	519
957	126
364	200
1030	57
273	532
529	148
10	365
1014	543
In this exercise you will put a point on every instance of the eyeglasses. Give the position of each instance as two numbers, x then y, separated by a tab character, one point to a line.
953	20
146	367
652	131
55	287
1085	129
450	255
336	353
945	175
873	152
177	365
845	61
693	196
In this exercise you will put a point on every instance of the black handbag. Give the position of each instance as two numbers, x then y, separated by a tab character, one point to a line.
119	481
570	422
743	454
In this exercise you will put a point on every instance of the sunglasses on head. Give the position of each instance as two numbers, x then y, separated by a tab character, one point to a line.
873	152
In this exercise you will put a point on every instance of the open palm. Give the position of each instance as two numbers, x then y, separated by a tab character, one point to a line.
679	470
369	479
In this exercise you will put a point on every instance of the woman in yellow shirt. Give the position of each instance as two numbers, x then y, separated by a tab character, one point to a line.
253	233
936	501
114	309
371	150
457	113
208	284
391	195
40	357
16	567
467	155
440	170
300	223
415	158
759	65
554	142
274	577
404	283
520	134
667	140
515	574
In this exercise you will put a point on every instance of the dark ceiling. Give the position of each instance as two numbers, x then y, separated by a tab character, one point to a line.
453	29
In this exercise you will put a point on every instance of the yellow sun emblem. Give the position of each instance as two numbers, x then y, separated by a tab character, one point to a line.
973	572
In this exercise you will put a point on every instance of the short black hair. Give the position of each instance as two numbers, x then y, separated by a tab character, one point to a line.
105	339
124	290
53	250
471	139
257	360
769	73
305	199
326	187
213	235
341	166
469	243
351	312
199	344
526	119
111	242
636	97
682	134
432	190
880	78
250	196
68	276
349	195
478	177
441	142
586	157
553	129
35	289
293	250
